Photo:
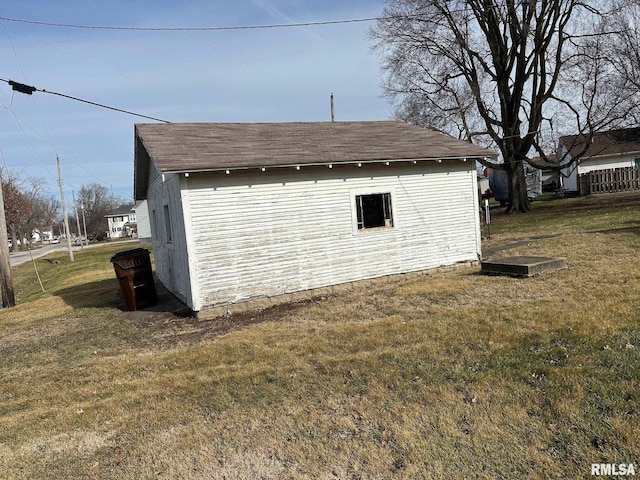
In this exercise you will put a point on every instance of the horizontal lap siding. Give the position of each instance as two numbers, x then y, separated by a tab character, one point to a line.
603	162
171	260
253	238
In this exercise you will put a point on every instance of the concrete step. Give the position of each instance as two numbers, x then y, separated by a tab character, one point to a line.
522	266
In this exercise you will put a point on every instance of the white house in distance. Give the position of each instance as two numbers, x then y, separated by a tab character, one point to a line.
121	222
606	150
242	214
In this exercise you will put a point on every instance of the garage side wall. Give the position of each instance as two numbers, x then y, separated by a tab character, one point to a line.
262	234
167	222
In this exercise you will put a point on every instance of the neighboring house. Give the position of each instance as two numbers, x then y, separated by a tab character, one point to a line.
248	212
142	218
551	177
42	236
122	222
607	150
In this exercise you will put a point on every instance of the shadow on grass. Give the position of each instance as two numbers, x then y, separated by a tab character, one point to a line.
635	230
632	228
108	294
99	294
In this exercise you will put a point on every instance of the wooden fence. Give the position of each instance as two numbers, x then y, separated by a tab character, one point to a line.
610	181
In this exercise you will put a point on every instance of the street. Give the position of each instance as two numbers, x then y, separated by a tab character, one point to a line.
19	257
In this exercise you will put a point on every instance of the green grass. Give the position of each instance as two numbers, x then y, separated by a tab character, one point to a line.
449	374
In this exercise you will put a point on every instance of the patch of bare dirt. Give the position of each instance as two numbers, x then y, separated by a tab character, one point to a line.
170	329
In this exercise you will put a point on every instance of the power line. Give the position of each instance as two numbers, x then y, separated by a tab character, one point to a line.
29	89
246	27
103	106
178	29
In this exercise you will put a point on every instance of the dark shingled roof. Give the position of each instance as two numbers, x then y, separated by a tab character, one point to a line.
197	147
190	147
121	210
624	140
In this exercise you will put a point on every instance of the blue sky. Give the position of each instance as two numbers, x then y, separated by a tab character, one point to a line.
271	75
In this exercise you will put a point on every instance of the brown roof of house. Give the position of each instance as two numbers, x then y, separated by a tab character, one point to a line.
190	147
624	140
194	147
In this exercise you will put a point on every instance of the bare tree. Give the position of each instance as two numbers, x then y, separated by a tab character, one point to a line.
45	210
625	26
504	73
97	202
42	209
16	205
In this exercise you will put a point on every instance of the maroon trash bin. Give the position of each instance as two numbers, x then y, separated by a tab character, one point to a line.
134	272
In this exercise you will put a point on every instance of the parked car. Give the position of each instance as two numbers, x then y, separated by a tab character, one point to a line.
55	240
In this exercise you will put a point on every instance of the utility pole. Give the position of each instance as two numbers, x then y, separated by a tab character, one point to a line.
64	211
84	224
6	279
75	208
333	118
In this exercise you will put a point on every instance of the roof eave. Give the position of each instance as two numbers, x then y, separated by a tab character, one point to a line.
328	164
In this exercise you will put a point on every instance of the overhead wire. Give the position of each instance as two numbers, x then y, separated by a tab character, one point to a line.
243	27
29	89
203	29
403	16
101	105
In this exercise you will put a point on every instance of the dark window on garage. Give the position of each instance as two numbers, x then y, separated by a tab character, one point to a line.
374	210
167	225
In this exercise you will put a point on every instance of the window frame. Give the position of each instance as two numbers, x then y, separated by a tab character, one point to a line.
154	226
168	227
357	214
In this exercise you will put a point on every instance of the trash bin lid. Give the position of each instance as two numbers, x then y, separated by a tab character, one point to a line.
136	252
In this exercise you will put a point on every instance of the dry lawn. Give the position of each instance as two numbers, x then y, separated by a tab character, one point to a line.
450	374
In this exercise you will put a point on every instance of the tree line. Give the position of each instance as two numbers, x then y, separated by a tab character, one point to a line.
29	208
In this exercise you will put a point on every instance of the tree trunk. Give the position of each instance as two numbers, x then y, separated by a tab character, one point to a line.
518	196
14	238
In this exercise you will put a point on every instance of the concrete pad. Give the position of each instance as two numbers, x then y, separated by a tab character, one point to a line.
523	266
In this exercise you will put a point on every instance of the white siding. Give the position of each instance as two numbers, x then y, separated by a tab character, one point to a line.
602	162
257	234
171	260
605	162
